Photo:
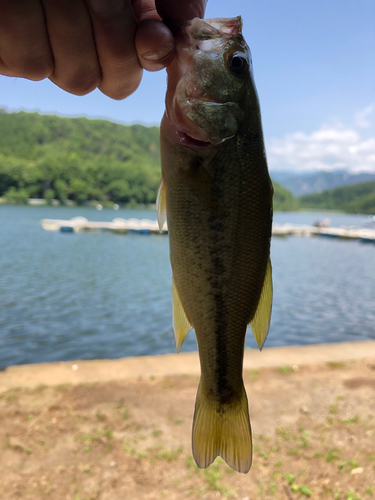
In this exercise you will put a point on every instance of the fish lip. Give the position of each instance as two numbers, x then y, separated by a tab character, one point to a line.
186	132
187	126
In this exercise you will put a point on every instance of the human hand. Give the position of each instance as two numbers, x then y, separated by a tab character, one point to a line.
83	45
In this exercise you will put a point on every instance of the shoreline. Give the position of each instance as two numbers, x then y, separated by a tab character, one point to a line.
121	429
111	370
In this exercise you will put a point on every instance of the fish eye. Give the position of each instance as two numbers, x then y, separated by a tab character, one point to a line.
238	63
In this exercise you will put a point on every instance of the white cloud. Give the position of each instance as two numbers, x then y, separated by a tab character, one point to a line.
332	147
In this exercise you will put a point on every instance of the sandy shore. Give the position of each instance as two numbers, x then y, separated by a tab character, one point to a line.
78	372
120	429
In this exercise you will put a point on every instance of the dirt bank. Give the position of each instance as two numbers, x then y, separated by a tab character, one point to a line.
118	435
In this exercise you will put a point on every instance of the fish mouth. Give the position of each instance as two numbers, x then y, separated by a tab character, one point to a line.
188	134
189	142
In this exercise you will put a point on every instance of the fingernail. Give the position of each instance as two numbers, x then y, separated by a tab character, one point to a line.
157	55
105	7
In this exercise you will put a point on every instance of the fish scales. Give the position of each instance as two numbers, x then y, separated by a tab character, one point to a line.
218	201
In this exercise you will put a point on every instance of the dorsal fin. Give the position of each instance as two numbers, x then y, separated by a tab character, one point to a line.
260	323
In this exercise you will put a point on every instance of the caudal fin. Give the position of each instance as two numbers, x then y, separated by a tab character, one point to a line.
222	430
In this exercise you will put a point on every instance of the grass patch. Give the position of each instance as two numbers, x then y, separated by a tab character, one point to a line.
304	490
349	421
212	475
169	455
285	370
62	387
190	463
333	409
335	364
351	495
157	433
283	433
332	455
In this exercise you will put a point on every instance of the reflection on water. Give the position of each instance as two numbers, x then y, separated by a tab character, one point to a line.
102	295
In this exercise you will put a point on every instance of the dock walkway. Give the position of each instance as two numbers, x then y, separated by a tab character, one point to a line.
147	226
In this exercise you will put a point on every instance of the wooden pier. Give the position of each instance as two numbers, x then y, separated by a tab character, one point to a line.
147	226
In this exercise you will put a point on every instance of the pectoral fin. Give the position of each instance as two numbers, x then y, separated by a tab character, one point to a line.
181	325
161	204
260	323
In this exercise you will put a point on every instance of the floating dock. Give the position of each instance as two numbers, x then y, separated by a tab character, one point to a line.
147	226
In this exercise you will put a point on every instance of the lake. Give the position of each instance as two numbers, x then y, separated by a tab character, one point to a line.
103	295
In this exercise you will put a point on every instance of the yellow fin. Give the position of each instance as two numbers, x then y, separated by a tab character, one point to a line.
260	324
161	204
181	325
222	430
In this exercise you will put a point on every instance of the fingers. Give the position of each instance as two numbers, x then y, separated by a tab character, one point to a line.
114	26
78	47
84	44
76	64
155	44
24	46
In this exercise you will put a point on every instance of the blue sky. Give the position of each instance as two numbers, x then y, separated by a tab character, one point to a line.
314	65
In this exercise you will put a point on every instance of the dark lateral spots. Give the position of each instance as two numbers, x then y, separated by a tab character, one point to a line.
356	383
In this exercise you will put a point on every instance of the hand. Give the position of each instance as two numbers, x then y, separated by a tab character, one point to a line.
83	45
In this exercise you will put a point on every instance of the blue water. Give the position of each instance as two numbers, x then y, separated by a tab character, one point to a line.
101	295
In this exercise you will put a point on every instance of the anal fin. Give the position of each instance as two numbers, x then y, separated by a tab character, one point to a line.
260	324
181	324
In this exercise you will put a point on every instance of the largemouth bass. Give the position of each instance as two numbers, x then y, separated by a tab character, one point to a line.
217	196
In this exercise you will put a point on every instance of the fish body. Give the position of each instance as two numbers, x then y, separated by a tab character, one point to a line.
217	194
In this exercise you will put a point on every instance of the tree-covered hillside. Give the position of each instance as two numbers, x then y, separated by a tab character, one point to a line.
48	157
283	199
43	156
355	199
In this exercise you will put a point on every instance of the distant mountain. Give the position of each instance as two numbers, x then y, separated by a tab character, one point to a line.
316	182
354	199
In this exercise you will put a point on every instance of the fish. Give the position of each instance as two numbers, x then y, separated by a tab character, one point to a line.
216	195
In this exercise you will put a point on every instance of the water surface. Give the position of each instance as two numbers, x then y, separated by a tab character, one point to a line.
101	295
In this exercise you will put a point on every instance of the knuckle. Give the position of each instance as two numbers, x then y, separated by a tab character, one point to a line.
121	87
79	83
120	92
32	68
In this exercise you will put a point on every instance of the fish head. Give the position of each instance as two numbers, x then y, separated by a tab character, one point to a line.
210	83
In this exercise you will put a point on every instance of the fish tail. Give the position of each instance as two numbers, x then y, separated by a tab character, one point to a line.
222	430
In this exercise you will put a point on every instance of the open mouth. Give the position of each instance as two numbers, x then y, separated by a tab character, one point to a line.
188	133
188	141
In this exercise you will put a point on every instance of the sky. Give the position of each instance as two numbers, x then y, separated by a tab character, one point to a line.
314	66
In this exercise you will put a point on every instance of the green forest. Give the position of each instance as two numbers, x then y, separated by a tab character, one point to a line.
77	159
354	199
43	156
